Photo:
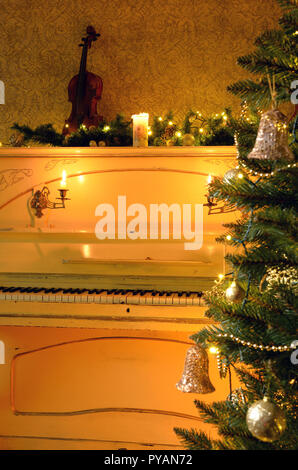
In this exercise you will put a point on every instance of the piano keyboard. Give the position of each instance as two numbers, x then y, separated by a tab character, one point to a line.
100	296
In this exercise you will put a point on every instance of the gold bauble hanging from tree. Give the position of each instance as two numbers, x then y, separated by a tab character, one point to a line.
234	293
265	420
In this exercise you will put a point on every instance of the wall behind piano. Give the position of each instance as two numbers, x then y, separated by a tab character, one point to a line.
153	55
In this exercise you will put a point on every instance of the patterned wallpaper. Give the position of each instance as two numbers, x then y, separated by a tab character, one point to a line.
153	55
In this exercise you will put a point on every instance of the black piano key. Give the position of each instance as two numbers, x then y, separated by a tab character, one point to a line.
26	289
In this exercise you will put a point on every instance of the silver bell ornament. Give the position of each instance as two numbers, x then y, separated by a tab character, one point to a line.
195	378
234	293
265	420
272	139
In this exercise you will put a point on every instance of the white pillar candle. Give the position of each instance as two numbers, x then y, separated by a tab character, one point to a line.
140	130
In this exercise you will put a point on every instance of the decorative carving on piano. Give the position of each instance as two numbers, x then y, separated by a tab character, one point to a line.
63	161
12	176
40	201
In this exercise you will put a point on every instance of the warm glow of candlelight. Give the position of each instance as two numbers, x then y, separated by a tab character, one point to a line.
86	251
63	180
209	179
140	129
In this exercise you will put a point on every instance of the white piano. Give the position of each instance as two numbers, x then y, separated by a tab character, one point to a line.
94	329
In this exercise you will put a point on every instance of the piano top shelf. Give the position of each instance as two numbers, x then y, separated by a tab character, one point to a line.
105	152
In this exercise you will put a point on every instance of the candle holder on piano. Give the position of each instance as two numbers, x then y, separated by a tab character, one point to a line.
214	208
40	201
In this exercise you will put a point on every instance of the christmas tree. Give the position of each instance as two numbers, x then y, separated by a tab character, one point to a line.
255	306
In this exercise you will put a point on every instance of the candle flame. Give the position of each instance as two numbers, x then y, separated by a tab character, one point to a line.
209	179
63	180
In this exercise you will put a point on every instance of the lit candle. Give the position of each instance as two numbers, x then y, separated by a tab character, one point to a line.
63	180
140	130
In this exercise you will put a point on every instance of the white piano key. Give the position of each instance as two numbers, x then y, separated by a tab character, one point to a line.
133	299
97	299
38	298
175	299
182	299
169	300
90	299
196	300
148	298
103	297
2	296
8	297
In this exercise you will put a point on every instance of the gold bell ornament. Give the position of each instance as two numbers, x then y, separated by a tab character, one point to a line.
272	139
195	378
234	293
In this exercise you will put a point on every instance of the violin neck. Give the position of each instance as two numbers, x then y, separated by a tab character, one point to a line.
82	77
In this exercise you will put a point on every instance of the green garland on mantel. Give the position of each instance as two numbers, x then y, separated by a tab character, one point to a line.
217	129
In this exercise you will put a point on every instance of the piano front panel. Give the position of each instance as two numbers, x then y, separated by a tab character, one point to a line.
96	388
76	373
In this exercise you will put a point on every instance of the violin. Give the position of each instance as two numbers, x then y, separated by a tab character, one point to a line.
84	91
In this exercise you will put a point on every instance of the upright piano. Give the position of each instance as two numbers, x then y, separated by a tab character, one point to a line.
94	328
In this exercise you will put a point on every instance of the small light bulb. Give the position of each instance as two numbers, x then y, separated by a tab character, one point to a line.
201	130
178	134
106	128
209	179
221	277
149	132
67	126
213	350
170	123
240	175
229	237
160	118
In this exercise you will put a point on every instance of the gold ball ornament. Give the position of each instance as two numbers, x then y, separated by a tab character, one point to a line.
101	143
92	143
170	142
234	293
188	140
265	420
92	128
